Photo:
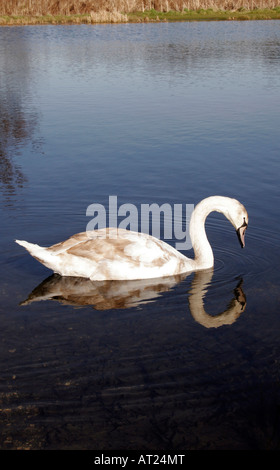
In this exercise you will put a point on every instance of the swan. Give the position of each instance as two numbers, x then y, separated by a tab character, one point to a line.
119	254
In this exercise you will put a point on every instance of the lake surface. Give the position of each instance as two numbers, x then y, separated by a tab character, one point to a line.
150	113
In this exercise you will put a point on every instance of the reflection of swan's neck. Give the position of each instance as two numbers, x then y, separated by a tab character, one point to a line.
202	250
200	284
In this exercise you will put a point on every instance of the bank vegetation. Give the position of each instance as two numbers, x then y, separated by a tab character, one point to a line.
116	11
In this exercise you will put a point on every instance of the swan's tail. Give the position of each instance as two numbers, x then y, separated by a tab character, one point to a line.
31	247
40	253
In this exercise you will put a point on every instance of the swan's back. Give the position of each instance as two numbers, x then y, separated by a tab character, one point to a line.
112	253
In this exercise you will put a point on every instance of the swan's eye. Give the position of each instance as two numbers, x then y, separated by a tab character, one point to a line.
241	233
244	223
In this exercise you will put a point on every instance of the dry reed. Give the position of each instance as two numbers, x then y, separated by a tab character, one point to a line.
104	16
99	9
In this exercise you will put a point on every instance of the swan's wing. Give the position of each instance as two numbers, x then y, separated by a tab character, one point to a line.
74	240
117	253
115	244
111	243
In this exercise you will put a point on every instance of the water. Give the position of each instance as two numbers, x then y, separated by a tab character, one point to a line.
153	113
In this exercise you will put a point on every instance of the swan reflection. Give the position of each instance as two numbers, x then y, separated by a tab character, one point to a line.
200	284
105	295
101	295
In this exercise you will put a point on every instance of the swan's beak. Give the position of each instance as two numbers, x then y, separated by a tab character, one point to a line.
241	234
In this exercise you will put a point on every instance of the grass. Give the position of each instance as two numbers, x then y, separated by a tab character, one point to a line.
208	14
151	15
41	19
101	17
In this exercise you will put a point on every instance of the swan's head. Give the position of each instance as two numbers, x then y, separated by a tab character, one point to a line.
241	232
232	209
238	216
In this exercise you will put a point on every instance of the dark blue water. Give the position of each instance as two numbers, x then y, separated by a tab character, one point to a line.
162	113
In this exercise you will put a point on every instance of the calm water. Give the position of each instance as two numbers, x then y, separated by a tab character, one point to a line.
163	113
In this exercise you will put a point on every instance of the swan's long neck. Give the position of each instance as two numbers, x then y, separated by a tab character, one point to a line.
203	254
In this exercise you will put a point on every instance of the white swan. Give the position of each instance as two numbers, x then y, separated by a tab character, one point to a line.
118	254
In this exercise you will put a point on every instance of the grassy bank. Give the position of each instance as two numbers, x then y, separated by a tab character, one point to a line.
208	14
120	11
140	16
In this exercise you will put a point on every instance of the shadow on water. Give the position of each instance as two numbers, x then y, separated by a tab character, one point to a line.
104	295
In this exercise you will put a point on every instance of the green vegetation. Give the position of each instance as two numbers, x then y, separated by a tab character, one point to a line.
209	14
